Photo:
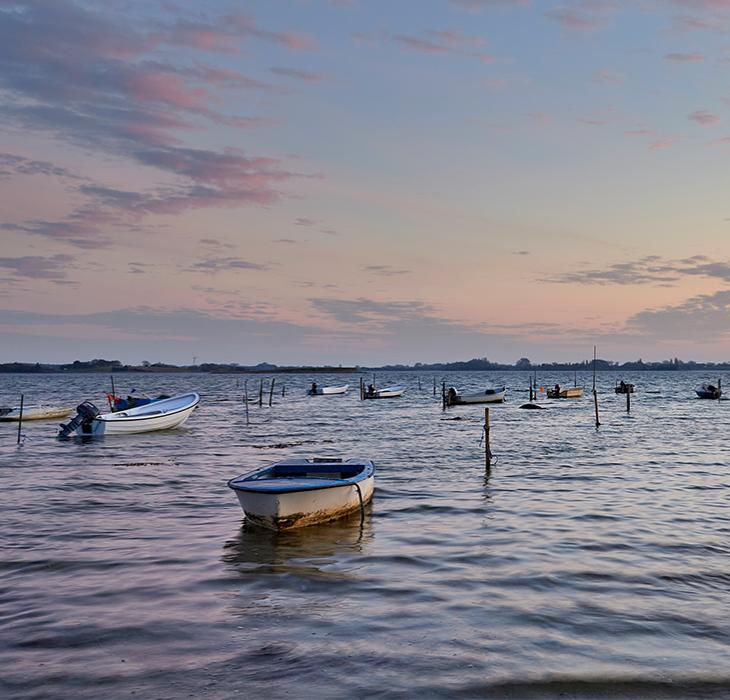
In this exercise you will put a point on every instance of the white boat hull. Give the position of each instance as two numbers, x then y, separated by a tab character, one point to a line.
482	397
159	415
283	511
37	413
329	390
389	392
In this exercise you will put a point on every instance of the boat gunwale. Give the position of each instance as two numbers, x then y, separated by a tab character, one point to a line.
119	418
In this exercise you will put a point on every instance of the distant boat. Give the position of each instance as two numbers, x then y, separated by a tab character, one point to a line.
34	412
624	388
709	391
327	390
388	392
487	396
298	492
160	415
571	392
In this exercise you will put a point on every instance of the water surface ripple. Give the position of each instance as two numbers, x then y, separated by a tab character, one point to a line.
587	564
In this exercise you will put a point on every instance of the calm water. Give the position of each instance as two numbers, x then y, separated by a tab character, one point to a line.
587	564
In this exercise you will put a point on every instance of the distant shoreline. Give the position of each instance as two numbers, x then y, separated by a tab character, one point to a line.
478	365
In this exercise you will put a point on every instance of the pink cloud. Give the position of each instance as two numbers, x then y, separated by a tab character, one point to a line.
724	141
703	117
163	87
574	19
662	144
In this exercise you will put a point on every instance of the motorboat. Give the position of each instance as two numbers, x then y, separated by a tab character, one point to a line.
709	391
327	390
453	398
298	492
388	392
159	415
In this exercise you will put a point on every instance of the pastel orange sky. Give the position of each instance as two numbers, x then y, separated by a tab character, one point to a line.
364	182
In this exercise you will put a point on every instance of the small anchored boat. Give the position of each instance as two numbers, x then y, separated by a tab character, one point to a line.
571	392
298	492
453	398
327	390
388	392
709	391
159	415
34	412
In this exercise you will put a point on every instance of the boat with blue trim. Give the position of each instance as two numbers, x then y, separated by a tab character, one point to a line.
298	492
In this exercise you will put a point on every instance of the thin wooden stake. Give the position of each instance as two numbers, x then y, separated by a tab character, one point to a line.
434	386
595	401
530	388
283	390
443	396
245	399
271	391
114	394
628	401
487	442
261	393
20	417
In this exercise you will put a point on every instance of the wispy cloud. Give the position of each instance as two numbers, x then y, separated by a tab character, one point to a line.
684	57
38	267
703	117
225	264
386	270
651	269
298	74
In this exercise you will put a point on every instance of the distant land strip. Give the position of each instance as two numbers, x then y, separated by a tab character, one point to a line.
475	365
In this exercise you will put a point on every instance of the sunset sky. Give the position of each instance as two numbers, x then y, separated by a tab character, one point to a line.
364	181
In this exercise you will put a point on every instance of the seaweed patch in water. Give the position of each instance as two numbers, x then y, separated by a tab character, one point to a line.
283	445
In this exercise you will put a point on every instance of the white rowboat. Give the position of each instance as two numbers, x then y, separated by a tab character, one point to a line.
159	415
328	390
487	396
35	413
299	492
388	392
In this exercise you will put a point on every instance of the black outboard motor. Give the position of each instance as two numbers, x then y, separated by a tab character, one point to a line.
85	413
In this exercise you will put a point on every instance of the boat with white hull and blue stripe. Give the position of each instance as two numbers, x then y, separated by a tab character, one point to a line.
298	492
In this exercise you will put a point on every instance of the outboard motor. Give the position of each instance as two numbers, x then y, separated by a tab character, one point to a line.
85	413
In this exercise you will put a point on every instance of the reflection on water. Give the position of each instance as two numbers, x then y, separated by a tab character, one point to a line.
313	547
588	563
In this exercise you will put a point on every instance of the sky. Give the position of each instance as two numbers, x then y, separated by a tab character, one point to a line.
362	182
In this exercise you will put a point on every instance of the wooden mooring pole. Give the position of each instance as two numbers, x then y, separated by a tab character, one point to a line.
20	417
628	401
271	391
434	386
443	396
245	399
595	401
487	442
261	392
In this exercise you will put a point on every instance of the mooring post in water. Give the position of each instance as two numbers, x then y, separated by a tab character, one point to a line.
530	388
271	391
419	384
114	393
283	390
628	401
487	442
261	392
362	392
20	417
434	386
595	401
443	396
245	399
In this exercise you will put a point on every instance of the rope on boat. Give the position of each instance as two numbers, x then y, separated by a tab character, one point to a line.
362	506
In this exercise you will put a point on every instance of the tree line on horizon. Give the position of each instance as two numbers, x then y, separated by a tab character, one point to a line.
474	365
